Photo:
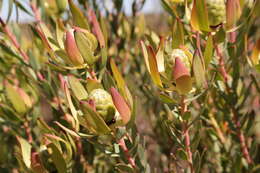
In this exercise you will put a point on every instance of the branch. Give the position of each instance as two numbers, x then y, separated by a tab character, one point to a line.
11	36
240	134
186	134
122	144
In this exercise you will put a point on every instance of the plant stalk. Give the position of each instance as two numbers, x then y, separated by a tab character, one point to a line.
131	160
187	135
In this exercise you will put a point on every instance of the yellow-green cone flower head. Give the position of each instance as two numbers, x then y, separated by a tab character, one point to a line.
104	103
216	11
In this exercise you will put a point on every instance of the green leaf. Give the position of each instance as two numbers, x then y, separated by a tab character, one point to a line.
159	55
124	168
57	158
208	53
15	98
177	34
166	99
21	7
118	77
93	84
10	10
153	67
199	16
78	17
256	53
71	106
145	55
26	151
198	70
94	120
77	88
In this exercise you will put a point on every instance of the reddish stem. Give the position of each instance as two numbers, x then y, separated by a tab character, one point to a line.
28	131
186	134
11	36
122	144
222	69
35	10
241	136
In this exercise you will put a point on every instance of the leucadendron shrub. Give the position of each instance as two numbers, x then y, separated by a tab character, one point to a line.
86	87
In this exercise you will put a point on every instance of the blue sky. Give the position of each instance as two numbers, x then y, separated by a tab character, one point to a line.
150	6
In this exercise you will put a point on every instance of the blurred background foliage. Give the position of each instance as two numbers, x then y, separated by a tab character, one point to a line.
86	87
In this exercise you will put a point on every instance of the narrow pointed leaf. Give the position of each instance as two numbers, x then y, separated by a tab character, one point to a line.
145	55
77	88
78	17
199	16
57	158
26	151
177	34
71	106
208	53
153	67
256	53
118	77
160	56
198	70
94	120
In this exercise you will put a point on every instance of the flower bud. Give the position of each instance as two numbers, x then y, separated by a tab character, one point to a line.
86	43
72	49
103	103
170	62
216	11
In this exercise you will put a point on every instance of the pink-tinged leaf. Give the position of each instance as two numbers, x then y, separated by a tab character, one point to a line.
121	105
233	12
145	54
72	49
27	100
182	77
153	67
159	55
97	29
46	44
199	16
256	53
